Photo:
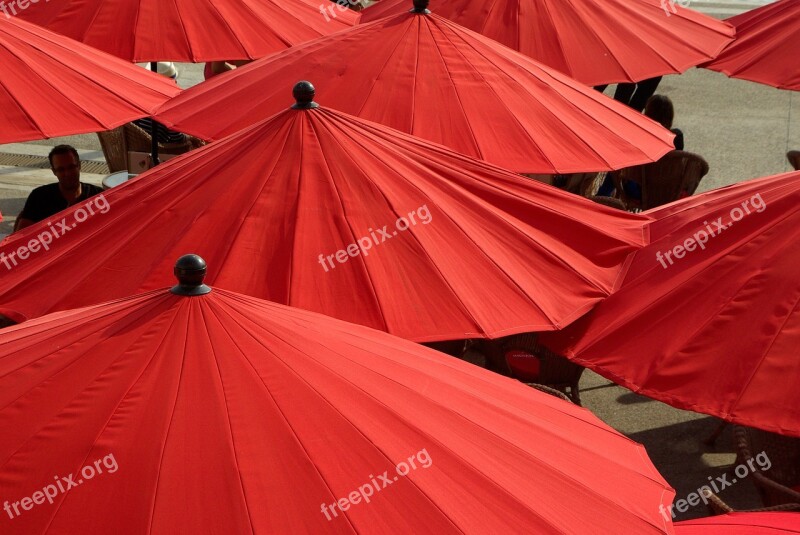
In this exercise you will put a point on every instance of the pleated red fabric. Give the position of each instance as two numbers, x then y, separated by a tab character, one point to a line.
592	41
708	317
53	86
766	38
222	413
427	76
188	30
772	523
434	245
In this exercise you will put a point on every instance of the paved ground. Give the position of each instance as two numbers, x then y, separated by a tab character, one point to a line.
743	129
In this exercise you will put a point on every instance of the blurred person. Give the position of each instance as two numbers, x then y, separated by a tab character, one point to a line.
50	199
659	108
213	68
634	95
163	134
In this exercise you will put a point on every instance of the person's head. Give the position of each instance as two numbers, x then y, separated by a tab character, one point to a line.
66	165
659	108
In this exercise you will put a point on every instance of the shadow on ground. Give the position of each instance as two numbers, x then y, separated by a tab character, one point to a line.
10	205
675	441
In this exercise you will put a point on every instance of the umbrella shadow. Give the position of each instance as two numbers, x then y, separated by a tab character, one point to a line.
676	442
685	459
9	206
632	399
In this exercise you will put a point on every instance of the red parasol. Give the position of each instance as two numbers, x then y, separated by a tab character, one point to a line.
593	42
206	411
323	211
772	523
762	51
445	84
707	318
53	86
188	30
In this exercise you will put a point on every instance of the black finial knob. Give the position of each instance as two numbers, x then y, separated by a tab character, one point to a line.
303	92
190	270
421	6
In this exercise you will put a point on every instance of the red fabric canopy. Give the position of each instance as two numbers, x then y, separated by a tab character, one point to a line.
771	523
591	41
766	39
490	253
222	413
53	86
188	30
427	76
707	318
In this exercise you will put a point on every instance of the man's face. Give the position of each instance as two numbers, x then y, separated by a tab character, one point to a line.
67	169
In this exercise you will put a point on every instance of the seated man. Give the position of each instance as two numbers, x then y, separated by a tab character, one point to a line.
48	200
163	134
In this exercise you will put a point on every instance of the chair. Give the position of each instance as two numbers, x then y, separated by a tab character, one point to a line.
581	183
794	158
523	358
718	507
609	201
552	391
677	174
781	483
118	142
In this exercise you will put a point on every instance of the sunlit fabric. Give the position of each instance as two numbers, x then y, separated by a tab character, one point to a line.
187	30
226	414
52	86
764	51
595	42
489	253
429	77
708	316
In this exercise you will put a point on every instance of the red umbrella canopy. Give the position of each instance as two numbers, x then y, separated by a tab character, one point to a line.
53	86
707	318
323	211
762	51
445	84
772	523
221	413
187	30
594	42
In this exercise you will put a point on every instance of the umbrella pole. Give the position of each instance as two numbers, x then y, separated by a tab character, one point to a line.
154	138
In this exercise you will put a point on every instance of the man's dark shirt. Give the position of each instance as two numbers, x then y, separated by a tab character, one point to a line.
45	201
